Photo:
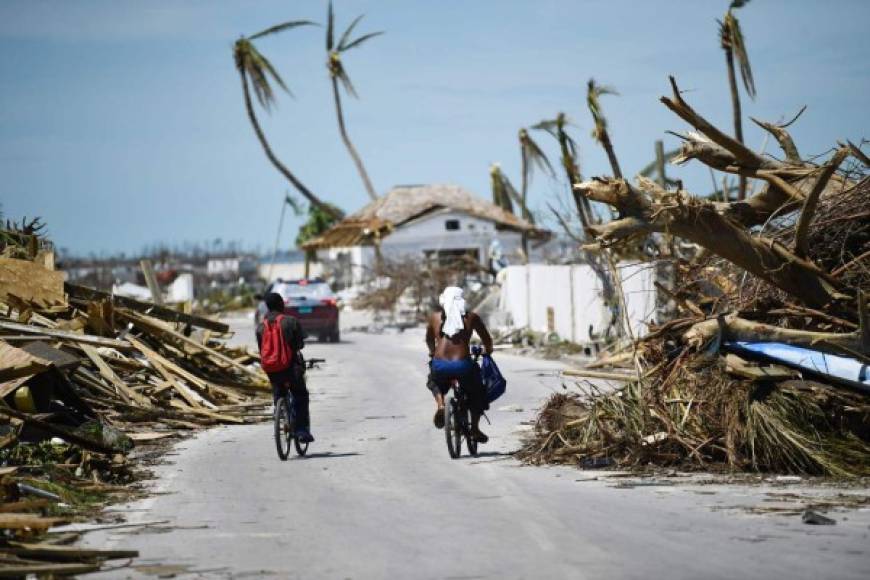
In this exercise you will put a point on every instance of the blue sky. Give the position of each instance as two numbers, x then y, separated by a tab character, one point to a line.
122	122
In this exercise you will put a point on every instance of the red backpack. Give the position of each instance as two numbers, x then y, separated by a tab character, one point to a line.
275	354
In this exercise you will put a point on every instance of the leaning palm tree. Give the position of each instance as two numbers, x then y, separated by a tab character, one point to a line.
337	73
599	132
568	148
731	39
257	73
532	156
503	192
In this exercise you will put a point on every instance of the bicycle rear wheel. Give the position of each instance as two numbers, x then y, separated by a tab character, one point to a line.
452	427
283	429
470	441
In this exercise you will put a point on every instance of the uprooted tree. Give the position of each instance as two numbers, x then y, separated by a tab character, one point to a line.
790	264
724	228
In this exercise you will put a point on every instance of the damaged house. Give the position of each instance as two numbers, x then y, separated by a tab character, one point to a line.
431	222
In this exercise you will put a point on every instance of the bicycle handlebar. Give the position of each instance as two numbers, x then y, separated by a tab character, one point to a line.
312	362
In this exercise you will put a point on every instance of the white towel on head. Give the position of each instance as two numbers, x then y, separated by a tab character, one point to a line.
453	303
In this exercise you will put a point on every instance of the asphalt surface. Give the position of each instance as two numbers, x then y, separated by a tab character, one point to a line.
378	497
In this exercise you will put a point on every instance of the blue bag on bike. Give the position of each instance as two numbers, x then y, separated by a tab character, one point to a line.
493	381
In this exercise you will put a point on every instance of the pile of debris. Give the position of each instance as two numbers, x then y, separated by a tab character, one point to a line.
86	378
764	366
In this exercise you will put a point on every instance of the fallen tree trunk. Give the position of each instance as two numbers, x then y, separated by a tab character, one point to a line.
732	327
788	182
699	221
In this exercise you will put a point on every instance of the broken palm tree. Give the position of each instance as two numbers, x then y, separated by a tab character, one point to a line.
785	271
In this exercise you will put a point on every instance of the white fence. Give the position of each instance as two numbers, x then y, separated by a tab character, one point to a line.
569	299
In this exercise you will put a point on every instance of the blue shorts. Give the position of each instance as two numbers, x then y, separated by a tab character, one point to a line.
448	369
468	374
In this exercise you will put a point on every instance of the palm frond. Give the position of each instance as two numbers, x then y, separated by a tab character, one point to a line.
738	46
533	156
256	69
500	184
297	205
330	27
341	74
361	39
593	94
283	26
551	126
270	70
346	36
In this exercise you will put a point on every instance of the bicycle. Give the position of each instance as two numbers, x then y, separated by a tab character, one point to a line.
457	417
285	421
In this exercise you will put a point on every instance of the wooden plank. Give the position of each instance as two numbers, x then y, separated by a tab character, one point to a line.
24	505
151	281
748	370
65	335
19	521
107	373
192	398
149	326
30	281
191	378
67	553
205	413
168	364
599	375
161	312
151	436
17	362
28	567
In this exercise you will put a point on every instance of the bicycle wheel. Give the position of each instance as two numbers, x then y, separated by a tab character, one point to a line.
470	441
452	427
301	448
283	429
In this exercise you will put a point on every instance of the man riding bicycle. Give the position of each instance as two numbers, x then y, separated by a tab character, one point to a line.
448	334
280	336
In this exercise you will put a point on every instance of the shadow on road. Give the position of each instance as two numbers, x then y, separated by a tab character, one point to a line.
328	455
489	454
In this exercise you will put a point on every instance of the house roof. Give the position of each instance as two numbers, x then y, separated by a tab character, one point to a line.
407	202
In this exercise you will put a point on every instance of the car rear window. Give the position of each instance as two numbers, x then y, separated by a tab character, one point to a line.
290	291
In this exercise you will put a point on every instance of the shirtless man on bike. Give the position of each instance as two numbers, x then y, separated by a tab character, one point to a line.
448	334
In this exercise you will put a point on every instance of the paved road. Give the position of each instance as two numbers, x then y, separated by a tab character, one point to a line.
378	497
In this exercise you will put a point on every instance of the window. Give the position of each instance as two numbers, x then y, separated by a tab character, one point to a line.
451	225
452	258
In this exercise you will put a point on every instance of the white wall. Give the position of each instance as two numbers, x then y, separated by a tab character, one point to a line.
574	294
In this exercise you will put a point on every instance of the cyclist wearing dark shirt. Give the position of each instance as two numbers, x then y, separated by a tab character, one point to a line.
292	378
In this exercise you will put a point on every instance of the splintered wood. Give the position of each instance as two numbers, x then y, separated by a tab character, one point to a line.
84	378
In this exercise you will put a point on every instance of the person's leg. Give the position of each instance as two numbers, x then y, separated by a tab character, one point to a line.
435	386
472	383
301	403
277	390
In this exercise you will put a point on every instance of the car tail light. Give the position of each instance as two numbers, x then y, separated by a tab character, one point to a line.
328	302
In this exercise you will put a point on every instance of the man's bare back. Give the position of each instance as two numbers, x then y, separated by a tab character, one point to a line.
456	347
